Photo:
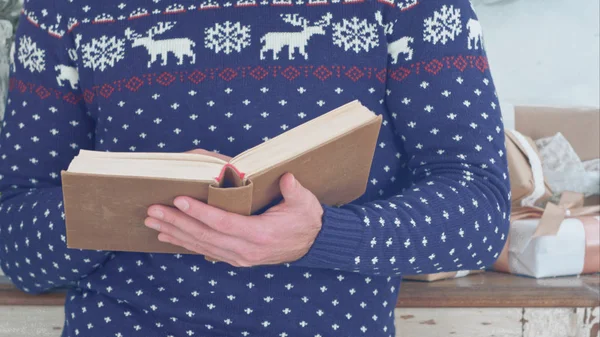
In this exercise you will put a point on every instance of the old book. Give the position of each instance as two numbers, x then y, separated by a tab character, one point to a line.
107	194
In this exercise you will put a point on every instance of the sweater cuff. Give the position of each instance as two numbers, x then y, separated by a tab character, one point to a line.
338	241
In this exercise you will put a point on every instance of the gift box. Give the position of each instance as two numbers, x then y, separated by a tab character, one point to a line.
574	250
549	238
557	240
441	276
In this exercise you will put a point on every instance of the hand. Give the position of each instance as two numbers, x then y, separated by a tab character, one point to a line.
284	233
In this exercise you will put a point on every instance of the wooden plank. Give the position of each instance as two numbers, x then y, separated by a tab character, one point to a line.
31	321
499	290
9	295
36	321
500	322
561	322
488	290
458	322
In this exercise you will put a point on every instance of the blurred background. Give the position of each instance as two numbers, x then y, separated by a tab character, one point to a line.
543	52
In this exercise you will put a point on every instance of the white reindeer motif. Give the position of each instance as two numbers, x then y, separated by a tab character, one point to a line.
66	73
400	46
275	41
180	47
475	34
388	28
73	51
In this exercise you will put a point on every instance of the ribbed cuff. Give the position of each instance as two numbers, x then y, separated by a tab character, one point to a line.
337	242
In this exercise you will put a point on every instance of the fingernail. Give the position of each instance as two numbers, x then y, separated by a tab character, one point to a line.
293	181
156	213
182	204
153	225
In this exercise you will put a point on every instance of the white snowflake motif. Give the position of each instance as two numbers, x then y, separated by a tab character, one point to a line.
443	26
355	34
103	53
227	37
32	57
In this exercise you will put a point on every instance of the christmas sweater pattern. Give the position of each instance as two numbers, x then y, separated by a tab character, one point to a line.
228	75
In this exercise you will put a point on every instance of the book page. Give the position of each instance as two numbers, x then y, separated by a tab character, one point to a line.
151	156
303	138
168	169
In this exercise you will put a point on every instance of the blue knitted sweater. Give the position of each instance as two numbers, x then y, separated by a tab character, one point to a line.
226	75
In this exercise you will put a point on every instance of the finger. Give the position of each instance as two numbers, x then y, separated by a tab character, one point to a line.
167	228
292	191
192	227
211	253
172	231
232	224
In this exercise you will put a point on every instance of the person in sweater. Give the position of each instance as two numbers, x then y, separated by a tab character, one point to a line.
225	75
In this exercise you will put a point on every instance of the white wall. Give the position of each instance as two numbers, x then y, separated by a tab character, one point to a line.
543	52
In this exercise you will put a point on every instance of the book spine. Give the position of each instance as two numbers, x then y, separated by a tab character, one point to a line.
230	175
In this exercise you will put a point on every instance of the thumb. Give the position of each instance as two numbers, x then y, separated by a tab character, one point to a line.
291	190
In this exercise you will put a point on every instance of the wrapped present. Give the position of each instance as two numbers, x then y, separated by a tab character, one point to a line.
552	233
441	276
558	240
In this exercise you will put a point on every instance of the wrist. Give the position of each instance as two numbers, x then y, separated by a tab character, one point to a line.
339	236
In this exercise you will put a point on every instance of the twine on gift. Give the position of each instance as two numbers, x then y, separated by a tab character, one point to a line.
570	205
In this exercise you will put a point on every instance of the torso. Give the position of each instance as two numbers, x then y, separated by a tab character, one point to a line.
201	92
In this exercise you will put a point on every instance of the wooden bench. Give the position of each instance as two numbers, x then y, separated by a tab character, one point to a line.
489	304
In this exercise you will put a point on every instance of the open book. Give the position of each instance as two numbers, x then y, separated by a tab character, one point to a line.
106	194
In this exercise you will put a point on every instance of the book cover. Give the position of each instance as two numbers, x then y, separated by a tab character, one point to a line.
107	212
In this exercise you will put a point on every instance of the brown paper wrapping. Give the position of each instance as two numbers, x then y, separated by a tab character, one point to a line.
578	124
519	169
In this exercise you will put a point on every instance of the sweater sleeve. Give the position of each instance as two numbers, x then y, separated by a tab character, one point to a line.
443	106
44	126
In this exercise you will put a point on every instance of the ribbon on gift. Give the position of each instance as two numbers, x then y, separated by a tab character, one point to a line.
570	205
